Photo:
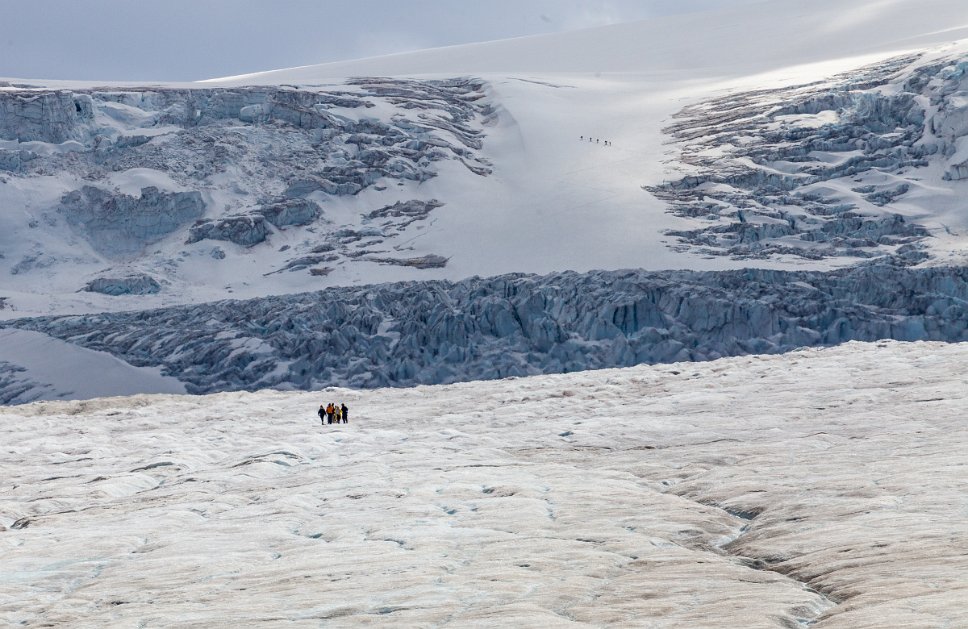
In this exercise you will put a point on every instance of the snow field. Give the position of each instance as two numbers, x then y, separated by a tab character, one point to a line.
822	486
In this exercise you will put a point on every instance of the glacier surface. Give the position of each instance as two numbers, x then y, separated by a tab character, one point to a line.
822	488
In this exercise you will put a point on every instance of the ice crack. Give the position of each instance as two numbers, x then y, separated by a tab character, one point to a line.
804	616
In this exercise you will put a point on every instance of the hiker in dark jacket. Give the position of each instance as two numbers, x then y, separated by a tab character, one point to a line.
346	413
322	414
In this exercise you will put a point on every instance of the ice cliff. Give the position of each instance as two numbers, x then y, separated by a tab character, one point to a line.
439	332
118	225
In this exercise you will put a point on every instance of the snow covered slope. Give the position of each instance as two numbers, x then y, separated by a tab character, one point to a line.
819	488
123	197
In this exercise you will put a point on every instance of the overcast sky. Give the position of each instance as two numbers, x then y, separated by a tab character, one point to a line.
183	40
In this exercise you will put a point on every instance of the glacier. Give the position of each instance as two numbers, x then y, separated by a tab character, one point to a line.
219	191
435	243
822	169
103	182
842	168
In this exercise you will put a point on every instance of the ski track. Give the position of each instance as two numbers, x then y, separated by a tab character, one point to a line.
822	488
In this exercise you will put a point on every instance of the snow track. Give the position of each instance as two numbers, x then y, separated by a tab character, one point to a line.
822	488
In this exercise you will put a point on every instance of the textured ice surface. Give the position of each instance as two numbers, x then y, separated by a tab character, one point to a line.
822	488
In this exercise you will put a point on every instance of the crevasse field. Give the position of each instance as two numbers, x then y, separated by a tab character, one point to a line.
822	488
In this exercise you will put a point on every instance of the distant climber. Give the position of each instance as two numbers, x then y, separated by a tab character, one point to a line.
322	414
329	413
346	413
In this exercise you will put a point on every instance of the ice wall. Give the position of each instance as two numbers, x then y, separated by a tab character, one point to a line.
515	325
119	225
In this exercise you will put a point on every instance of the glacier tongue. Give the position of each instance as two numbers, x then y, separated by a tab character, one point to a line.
440	332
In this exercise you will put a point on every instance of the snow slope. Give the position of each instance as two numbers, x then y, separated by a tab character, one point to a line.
733	43
820	488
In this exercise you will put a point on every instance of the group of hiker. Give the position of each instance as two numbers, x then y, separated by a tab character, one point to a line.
334	414
607	142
